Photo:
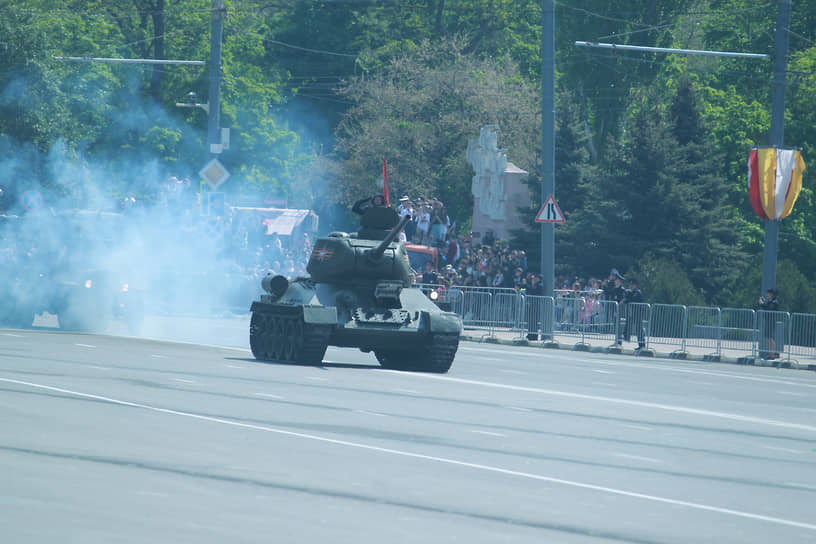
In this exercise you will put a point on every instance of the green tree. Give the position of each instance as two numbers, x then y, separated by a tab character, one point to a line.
661	194
574	175
796	292
419	114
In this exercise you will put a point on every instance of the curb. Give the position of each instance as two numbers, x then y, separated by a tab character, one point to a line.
618	350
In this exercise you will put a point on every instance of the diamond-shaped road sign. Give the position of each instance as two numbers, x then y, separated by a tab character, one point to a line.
550	212
214	173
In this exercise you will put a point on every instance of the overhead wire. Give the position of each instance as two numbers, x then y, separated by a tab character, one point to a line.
697	20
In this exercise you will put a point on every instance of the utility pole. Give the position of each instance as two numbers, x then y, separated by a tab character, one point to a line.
547	152
547	143
214	146
777	138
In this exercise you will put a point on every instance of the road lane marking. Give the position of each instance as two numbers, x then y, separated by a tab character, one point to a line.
719	374
638	458
233	366
155	356
367	413
85	345
549	354
519	408
784	450
13	335
636	427
599	371
182	380
615	400
792	394
443	460
268	395
488	433
801	486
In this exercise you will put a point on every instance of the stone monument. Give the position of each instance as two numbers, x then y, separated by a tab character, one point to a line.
498	187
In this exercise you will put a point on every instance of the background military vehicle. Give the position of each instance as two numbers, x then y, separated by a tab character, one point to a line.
359	295
70	264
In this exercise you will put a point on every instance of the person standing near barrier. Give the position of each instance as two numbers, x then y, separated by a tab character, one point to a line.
533	306
769	303
635	313
614	292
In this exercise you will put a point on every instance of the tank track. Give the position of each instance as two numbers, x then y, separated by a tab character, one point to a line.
282	336
436	356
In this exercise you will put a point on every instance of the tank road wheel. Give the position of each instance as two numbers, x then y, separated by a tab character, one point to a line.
286	338
435	356
277	339
296	340
315	341
290	340
258	336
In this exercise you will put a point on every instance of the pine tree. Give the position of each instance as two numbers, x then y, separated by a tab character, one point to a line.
707	239
660	194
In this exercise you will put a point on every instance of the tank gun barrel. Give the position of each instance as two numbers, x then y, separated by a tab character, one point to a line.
378	251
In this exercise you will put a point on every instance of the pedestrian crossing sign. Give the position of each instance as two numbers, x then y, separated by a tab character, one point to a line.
550	212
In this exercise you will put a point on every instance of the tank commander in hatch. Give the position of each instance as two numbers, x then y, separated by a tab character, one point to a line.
377	219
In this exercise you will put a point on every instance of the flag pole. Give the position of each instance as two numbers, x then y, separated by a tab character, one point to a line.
385	184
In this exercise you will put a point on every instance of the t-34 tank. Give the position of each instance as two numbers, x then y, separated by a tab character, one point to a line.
359	295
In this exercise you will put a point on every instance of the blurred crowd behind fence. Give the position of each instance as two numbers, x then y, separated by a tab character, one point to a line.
585	320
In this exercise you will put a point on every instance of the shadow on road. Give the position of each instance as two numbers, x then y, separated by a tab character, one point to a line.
324	365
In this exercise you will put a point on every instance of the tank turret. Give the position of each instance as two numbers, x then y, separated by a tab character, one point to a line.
358	294
344	259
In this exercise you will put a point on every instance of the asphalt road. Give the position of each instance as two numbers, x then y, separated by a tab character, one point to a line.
110	439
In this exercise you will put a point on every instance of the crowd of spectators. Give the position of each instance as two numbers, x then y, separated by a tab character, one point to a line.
489	262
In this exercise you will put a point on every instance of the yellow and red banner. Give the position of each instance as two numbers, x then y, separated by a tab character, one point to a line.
774	180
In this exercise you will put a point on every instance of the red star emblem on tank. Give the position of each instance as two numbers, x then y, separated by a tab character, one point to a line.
322	253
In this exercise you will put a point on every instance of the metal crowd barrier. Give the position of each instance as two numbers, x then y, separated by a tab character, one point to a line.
703	328
737	332
802	341
667	326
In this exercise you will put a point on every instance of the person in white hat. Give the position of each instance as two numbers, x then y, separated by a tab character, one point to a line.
404	207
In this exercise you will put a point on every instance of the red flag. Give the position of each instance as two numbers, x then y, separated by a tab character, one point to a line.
385	184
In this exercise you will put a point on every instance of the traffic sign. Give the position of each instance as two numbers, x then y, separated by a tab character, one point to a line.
212	228
31	200
550	212
214	173
215	203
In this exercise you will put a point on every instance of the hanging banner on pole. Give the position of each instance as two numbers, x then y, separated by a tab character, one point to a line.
550	212
774	181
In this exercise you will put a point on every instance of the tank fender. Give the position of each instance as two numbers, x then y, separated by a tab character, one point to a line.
320	315
440	323
445	323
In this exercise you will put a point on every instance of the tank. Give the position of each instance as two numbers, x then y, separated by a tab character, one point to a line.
358	294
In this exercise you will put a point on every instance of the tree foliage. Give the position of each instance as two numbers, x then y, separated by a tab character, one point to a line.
419	114
318	92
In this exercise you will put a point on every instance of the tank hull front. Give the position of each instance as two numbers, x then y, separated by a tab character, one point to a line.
408	333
